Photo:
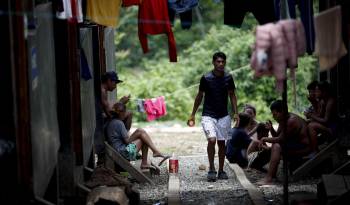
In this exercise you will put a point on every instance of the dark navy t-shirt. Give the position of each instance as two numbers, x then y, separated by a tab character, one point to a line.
216	94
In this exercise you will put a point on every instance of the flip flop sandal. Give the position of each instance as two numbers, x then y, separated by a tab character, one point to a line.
165	157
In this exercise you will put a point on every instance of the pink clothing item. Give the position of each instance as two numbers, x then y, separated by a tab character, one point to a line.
260	59
155	108
301	38
276	46
289	30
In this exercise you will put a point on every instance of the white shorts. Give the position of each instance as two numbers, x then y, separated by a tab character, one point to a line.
217	128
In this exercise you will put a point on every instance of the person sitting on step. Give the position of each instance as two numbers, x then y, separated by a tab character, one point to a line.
129	145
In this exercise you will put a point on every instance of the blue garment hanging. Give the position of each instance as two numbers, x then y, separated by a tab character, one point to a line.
180	6
85	70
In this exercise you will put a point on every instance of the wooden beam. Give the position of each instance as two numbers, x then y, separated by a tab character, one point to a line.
311	163
21	98
174	190
125	164
254	193
343	169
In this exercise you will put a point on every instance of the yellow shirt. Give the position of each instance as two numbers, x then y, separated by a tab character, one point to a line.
104	12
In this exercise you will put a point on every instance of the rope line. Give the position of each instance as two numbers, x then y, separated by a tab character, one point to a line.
197	84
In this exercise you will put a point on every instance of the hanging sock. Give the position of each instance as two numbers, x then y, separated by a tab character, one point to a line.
155	108
140	105
329	42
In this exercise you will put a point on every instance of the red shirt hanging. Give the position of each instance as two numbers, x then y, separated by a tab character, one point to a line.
154	19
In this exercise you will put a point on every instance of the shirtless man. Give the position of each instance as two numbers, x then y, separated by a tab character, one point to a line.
324	122
109	83
103	112
295	139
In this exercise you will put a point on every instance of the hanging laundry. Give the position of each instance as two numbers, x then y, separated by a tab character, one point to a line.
127	3
140	105
270	56
155	108
154	19
104	12
182	8
71	10
329	42
85	70
235	10
306	14
182	5
185	18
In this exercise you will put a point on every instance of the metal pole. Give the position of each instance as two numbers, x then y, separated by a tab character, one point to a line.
284	11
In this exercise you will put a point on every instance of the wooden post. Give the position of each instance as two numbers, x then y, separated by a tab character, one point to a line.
284	15
21	98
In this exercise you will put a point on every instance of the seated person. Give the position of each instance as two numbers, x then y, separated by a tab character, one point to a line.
128	146
294	139
315	107
258	152
110	82
251	128
325	122
239	142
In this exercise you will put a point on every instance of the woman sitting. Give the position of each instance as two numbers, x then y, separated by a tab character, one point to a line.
129	145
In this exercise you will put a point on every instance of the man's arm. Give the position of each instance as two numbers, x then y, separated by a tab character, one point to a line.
125	99
292	128
105	104
328	113
253	146
197	102
271	129
233	100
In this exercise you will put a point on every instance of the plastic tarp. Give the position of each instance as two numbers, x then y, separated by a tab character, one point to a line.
43	100
87	94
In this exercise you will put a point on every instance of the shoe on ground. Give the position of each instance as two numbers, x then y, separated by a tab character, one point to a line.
211	177
222	175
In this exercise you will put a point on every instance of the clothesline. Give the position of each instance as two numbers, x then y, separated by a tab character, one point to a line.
195	85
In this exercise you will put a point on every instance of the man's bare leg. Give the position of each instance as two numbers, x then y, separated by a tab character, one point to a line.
221	145
273	165
211	152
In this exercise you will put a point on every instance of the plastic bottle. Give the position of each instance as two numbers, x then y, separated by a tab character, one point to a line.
173	164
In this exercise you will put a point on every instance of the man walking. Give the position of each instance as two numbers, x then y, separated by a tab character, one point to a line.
216	86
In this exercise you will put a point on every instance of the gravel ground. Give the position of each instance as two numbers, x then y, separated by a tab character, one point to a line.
196	190
273	194
153	194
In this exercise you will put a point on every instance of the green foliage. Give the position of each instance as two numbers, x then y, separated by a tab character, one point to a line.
152	75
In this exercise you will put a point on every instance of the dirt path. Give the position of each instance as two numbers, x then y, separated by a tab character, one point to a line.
182	141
